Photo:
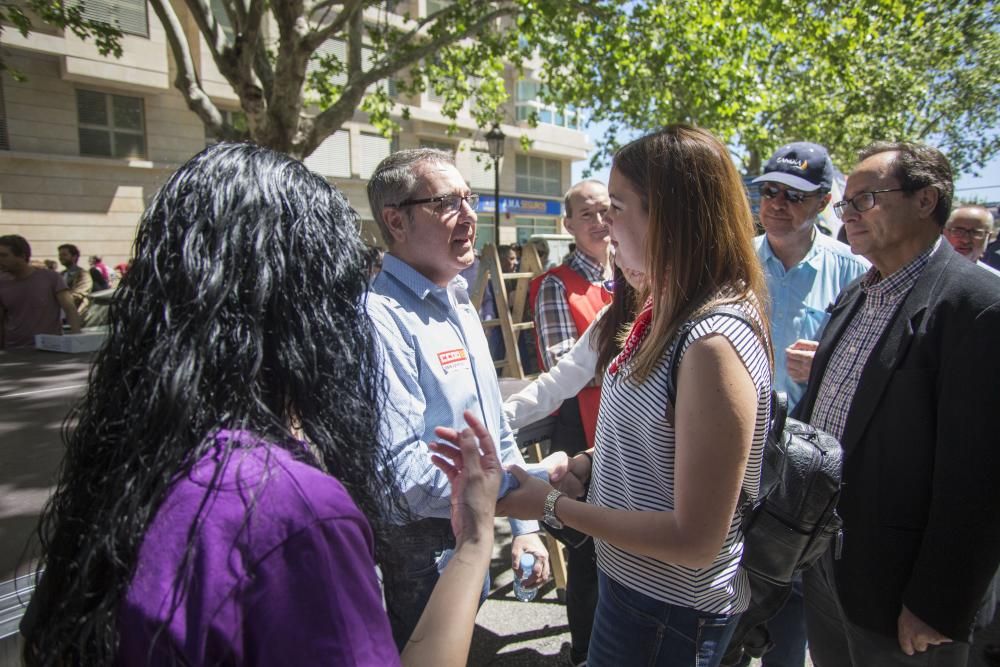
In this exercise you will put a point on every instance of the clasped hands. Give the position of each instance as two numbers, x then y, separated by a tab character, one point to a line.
470	461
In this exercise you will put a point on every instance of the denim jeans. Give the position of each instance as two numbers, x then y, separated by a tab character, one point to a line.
421	551
636	630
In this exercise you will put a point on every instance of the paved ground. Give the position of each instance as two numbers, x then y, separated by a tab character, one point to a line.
36	392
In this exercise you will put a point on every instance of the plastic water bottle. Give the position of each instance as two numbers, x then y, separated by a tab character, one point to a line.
525	594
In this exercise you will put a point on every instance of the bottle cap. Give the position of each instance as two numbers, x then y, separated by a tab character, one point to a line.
527	562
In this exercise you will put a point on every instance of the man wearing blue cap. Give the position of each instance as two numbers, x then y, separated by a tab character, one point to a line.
805	271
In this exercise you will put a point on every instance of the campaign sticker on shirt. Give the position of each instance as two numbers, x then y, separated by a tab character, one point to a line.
454	360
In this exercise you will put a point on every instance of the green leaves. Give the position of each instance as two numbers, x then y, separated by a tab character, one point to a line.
763	72
756	72
66	15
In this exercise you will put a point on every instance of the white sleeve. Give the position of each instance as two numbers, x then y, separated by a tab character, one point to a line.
573	372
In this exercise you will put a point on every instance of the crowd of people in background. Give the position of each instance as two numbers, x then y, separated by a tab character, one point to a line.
33	304
294	421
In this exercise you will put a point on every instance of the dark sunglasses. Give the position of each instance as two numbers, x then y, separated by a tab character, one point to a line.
768	191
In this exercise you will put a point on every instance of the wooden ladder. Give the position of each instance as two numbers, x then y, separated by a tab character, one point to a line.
511	321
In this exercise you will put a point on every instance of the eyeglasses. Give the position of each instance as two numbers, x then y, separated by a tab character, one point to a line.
445	203
769	191
863	201
964	233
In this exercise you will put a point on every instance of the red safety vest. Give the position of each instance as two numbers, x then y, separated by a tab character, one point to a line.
585	301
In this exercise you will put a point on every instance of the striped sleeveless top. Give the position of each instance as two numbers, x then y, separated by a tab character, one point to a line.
634	470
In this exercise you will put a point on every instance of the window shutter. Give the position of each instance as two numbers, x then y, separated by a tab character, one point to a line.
129	16
481	175
331	47
333	156
374	149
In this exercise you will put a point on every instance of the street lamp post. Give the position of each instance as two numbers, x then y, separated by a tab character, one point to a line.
495	139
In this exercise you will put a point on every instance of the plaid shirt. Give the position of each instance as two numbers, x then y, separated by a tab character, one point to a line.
882	298
553	319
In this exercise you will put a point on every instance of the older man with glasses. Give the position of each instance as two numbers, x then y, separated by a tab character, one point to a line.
805	271
968	229
436	365
905	377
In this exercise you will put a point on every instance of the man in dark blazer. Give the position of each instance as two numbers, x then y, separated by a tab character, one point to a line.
905	376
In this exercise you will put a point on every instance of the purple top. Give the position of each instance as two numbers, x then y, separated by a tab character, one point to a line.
281	571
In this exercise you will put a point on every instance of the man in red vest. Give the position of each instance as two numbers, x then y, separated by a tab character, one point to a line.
565	301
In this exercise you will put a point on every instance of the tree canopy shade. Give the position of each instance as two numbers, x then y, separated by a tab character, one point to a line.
757	72
301	69
762	72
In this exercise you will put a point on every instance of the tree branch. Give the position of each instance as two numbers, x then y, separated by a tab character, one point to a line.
322	33
187	81
210	29
286	98
334	116
355	39
248	44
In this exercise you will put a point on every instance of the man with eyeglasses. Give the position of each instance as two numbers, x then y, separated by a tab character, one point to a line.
436	365
805	271
564	301
968	229
905	377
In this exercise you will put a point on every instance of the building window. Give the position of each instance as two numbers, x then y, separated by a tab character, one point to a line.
235	119
481	174
333	156
539	176
336	50
222	18
129	16
434	6
528	101
110	125
4	136
374	149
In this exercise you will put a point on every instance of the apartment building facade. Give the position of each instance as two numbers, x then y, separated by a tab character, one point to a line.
86	140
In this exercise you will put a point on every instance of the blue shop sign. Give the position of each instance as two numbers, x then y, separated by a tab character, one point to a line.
521	205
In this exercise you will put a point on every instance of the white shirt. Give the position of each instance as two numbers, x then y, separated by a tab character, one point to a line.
572	372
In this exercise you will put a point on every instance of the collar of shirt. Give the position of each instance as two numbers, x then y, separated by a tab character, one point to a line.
586	267
419	284
880	290
812	255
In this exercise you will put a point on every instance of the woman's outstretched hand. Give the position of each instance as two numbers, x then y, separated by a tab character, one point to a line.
470	461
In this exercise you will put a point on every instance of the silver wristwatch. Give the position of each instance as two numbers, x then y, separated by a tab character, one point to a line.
549	509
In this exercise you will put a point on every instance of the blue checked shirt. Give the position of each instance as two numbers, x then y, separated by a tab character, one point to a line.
800	296
882	298
437	365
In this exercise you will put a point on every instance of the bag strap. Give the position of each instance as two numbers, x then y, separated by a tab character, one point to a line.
681	337
779	401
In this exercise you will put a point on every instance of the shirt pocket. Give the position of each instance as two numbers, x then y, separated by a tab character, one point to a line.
811	322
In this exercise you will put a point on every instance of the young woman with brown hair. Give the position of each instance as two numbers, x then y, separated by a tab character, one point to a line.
663	503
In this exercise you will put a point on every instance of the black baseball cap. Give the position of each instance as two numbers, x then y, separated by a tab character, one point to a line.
800	165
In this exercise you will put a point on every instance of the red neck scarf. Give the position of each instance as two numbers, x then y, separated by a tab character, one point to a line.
635	336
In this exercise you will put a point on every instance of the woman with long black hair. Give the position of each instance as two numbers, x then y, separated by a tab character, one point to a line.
223	497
